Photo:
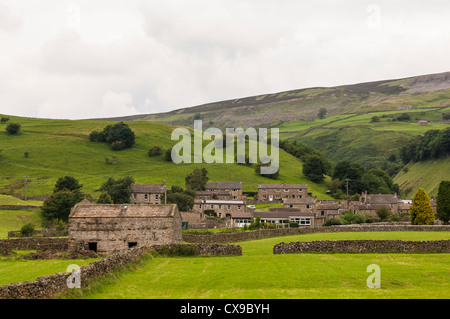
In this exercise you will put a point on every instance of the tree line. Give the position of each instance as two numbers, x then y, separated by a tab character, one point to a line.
433	144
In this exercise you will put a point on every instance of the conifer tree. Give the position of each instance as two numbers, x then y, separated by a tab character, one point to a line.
421	212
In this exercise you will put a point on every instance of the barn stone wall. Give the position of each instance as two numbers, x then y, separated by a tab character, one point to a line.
115	234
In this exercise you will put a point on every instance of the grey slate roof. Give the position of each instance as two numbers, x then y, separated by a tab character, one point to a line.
148	188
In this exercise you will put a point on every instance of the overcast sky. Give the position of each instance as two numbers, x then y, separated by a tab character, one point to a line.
87	59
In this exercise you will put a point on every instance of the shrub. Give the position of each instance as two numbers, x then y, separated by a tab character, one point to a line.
104	199
27	229
332	221
351	218
13	128
4	120
118	145
168	155
155	151
383	213
375	119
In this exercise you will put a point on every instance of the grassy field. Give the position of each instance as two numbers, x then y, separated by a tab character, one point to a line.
15	219
13	269
423	174
61	147
259	274
10	200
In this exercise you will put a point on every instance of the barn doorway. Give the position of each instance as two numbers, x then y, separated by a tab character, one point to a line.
132	244
93	247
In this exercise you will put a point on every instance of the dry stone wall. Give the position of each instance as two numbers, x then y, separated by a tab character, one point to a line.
364	246
267	233
40	244
49	286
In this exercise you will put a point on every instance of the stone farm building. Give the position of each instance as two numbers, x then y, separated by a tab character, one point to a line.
234	189
147	193
278	192
109	228
221	208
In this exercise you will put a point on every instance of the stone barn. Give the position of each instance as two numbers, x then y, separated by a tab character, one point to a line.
110	228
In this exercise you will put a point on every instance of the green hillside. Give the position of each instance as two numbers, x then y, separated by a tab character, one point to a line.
426	174
62	147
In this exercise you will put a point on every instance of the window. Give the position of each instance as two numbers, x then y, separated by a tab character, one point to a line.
157	196
200	206
132	244
146	196
220	214
212	206
277	196
286	190
291	206
234	197
322	212
278	190
220	206
263	189
134	196
229	207
300	190
264	196
308	206
239	207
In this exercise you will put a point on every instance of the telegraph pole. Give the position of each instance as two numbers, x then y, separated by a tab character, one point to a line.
26	185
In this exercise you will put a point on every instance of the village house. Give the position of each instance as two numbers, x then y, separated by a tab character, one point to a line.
109	228
147	193
275	215
423	123
307	203
370	203
221	208
220	195
234	188
278	192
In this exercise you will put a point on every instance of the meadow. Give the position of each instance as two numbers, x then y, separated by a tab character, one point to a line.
259	274
57	148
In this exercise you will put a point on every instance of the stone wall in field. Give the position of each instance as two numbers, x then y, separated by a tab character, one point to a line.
267	233
364	246
199	249
49	286
32	243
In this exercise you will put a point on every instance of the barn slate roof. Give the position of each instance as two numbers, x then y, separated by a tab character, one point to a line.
122	210
282	185
148	188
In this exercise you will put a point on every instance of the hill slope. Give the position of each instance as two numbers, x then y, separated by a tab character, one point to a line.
62	147
273	109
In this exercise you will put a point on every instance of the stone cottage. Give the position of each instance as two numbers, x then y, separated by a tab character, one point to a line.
147	193
109	228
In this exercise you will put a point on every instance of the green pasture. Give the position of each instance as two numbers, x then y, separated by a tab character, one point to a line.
15	219
259	274
61	147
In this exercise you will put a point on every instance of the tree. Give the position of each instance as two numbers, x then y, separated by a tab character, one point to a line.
13	128
197	179
375	119
272	176
67	183
314	168
443	202
58	205
104	198
383	213
322	113
155	151
119	136
4	120
421	212
119	190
